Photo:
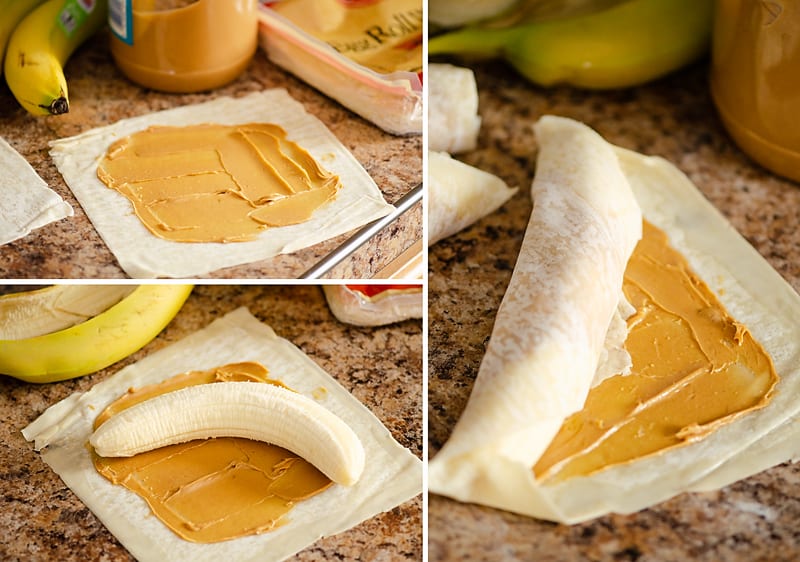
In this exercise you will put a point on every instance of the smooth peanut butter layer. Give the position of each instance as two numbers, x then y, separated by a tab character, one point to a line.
694	369
215	489
216	183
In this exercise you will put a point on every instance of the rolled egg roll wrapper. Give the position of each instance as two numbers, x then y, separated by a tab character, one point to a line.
551	326
751	291
460	195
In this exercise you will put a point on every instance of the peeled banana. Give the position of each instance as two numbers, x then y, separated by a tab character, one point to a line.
263	412
40	46
626	45
96	343
13	11
34	313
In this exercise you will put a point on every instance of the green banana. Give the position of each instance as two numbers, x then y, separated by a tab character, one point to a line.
96	343
40	46
626	45
13	11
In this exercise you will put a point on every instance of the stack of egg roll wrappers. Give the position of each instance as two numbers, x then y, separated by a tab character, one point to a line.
557	329
27	203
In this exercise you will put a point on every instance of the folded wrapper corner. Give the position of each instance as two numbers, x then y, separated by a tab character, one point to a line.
460	195
554	323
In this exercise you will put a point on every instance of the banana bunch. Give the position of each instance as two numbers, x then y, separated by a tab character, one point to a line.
71	331
38	37
625	45
263	412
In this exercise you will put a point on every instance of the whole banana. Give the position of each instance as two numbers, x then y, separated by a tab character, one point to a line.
96	343
40	46
625	45
13	11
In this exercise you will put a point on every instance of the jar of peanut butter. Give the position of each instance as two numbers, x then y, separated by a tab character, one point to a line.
183	45
755	79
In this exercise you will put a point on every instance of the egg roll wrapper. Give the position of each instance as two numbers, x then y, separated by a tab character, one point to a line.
392	474
143	255
27	203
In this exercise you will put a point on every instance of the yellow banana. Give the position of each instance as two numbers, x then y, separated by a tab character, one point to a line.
119	331
625	45
13	11
40	46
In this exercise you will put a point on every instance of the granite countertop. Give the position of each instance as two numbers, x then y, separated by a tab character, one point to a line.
754	519
100	95
43	520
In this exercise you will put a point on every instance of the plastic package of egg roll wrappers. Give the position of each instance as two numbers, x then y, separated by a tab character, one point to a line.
366	56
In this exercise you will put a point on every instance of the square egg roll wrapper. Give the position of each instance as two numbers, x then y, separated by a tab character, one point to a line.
27	202
392	474
485	462
141	254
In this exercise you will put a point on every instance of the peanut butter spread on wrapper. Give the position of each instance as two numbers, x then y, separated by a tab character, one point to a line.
216	183
694	369
215	489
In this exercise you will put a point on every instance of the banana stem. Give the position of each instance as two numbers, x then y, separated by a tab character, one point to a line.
59	106
473	41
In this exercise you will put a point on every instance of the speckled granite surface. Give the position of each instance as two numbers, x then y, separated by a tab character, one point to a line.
100	95
754	519
44	521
